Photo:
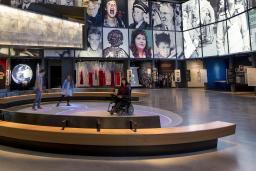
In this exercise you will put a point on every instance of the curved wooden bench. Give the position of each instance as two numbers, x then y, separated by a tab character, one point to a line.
28	98
115	141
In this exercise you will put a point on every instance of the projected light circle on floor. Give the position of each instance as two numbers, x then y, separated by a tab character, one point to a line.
167	118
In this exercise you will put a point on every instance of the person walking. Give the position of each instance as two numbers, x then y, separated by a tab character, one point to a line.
66	90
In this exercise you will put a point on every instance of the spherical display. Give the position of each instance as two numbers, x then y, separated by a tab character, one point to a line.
22	74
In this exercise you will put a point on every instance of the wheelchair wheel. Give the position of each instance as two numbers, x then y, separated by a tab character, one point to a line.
130	110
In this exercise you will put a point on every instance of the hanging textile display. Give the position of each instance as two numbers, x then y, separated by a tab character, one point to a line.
98	74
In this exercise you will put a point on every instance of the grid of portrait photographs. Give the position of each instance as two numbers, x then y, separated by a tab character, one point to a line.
224	27
126	29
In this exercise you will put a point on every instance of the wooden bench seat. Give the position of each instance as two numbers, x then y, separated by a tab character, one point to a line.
115	141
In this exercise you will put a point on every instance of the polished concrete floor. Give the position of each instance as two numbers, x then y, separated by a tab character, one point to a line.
234	153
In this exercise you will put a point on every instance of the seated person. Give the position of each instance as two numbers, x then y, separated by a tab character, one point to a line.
124	93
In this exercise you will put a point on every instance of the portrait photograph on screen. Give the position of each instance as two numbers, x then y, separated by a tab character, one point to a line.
164	44
190	14
94	13
139	14
163	16
192	43
177	17
115	43
252	19
179	45
115	13
94	43
140	43
238	34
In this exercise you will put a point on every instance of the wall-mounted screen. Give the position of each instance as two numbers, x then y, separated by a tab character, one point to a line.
115	13
238	34
178	17
94	13
94	43
192	43
139	14
115	43
179	45
209	33
141	43
163	17
164	44
22	28
190	14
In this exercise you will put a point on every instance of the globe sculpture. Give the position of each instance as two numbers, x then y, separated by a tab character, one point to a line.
22	74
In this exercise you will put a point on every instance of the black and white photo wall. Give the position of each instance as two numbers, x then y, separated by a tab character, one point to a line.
217	27
132	29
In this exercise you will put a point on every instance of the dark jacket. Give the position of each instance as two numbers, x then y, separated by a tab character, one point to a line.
126	93
144	25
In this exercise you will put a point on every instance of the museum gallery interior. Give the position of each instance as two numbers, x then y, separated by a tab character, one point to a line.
154	85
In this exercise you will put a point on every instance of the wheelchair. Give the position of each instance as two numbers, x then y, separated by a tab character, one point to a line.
123	107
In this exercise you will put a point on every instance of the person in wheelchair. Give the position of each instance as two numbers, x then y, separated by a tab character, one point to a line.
122	100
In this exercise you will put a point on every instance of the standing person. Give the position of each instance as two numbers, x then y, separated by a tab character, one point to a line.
66	90
139	11
112	18
139	45
38	90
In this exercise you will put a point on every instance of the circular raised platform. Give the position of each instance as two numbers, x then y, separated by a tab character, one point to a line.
99	109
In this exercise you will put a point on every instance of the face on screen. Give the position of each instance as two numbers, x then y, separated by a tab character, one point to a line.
166	12
164	49
140	41
94	40
138	15
111	8
93	7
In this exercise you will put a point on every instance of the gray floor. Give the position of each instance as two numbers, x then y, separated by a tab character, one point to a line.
234	153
